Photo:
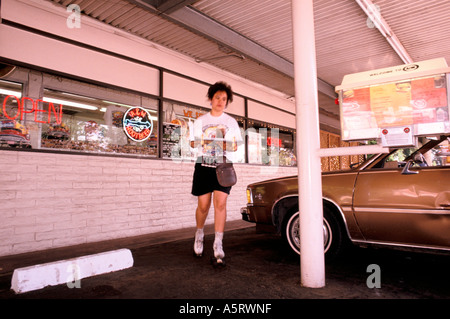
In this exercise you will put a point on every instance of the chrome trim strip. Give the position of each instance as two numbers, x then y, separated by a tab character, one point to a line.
376	210
381	243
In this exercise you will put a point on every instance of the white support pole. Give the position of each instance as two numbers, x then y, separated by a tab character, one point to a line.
312	260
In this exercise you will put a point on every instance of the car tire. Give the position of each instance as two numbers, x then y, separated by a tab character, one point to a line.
333	233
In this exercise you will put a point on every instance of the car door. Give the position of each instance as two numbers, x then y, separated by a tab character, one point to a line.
407	209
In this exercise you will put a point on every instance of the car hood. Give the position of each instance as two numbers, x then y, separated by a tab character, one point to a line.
273	180
292	178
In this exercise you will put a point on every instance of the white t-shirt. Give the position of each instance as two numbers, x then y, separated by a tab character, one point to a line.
213	131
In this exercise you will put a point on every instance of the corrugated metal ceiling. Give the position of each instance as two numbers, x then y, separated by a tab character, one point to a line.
345	41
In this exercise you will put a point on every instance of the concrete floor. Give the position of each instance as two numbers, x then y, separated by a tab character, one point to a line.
259	267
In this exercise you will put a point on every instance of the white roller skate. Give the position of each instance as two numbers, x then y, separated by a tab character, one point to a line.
198	243
219	255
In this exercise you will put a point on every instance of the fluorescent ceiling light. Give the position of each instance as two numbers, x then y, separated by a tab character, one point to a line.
77	96
69	103
153	118
103	109
11	92
374	14
115	103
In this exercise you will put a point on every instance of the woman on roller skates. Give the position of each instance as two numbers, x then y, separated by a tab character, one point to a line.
213	134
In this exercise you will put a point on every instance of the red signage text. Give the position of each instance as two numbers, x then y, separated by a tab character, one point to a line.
22	110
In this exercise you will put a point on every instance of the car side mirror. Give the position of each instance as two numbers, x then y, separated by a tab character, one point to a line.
406	170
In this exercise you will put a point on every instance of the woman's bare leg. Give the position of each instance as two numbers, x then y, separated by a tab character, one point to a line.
220	210
203	205
220	216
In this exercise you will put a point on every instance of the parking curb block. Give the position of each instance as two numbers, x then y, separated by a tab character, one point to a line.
69	271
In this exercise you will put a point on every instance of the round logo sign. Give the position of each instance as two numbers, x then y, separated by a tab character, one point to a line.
411	67
137	124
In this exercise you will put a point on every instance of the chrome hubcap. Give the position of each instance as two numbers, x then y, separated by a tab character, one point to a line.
294	232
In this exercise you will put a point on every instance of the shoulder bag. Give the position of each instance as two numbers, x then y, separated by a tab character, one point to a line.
226	175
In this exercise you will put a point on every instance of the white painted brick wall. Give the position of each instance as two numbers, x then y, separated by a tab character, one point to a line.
51	200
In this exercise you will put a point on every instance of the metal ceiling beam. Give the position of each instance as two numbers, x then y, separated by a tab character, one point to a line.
202	25
168	6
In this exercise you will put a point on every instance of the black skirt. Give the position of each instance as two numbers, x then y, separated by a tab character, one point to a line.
205	181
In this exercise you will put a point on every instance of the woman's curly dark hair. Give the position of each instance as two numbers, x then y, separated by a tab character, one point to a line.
221	86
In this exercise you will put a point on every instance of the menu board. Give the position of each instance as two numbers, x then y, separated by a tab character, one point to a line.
421	103
171	140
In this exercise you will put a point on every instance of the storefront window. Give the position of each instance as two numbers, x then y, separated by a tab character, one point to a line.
270	145
72	122
78	117
178	123
13	127
99	125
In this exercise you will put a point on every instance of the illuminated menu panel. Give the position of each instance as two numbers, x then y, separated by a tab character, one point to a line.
420	102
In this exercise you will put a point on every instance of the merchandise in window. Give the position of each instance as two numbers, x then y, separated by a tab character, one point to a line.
177	125
270	145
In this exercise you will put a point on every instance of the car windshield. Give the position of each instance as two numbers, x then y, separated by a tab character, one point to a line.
435	152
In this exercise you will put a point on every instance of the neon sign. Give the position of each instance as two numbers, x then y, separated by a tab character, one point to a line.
272	141
22	110
137	124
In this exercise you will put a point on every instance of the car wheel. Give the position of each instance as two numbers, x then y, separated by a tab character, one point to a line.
332	233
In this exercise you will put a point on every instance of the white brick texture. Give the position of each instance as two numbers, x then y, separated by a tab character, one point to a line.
51	200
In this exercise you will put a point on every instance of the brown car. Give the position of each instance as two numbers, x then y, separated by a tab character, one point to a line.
400	199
